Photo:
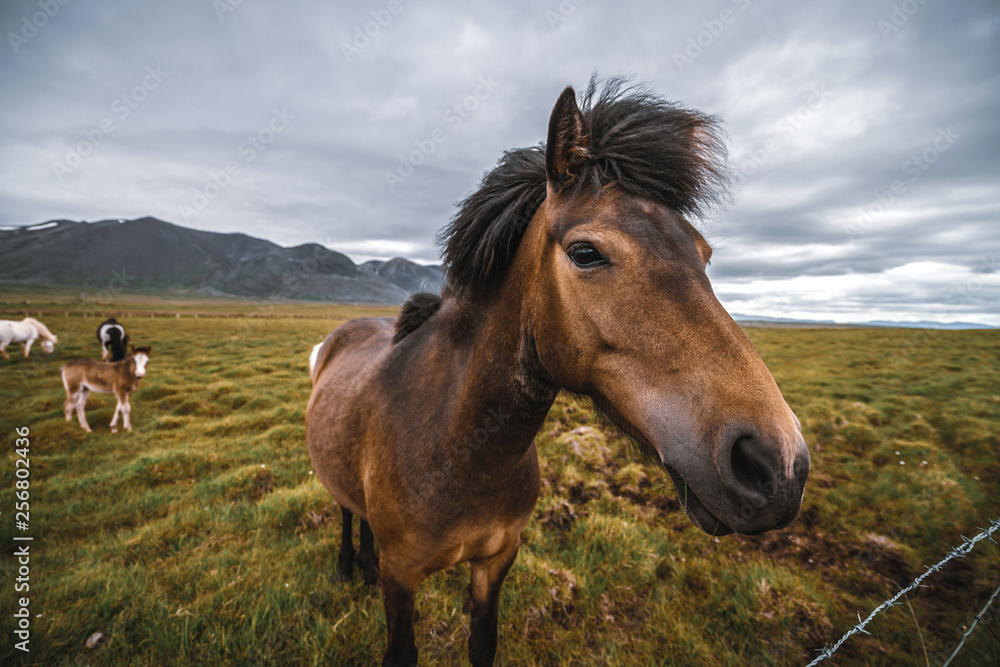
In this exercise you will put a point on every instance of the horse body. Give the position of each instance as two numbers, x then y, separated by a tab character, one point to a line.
121	378
26	332
113	339
445	481
563	272
429	452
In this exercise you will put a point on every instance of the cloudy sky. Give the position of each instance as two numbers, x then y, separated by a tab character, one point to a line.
865	133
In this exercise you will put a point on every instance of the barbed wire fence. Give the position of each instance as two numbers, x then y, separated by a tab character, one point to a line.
972	627
958	552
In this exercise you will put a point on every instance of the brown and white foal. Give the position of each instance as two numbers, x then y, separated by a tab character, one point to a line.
82	376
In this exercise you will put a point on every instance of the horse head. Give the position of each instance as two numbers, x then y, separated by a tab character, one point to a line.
140	356
622	310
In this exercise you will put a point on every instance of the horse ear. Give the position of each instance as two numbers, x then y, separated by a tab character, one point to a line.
132	347
568	142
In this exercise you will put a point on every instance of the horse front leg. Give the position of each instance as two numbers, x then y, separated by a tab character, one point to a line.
127	414
399	593
345	560
3	350
114	418
366	556
27	346
488	575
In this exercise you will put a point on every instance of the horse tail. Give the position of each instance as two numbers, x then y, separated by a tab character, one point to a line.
415	311
313	357
117	344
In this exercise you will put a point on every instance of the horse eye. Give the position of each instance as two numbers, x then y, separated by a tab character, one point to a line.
585	255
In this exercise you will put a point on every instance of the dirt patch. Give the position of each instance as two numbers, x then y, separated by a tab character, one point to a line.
561	602
317	519
647	494
807	545
560	516
581	493
263	484
951	586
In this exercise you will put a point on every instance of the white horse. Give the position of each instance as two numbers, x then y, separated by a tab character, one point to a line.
25	332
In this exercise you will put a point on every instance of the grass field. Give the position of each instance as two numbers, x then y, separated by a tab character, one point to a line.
203	538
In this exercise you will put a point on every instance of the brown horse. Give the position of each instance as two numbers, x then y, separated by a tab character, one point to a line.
121	378
572	267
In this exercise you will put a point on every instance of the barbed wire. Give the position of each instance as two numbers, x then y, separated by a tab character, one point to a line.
960	552
972	627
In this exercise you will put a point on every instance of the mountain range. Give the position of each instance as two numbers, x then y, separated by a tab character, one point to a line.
894	324
150	254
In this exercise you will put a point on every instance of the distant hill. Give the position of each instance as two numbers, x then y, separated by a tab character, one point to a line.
741	317
406	274
895	324
150	254
928	324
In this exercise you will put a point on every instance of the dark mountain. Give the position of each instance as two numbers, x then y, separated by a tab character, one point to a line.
404	273
152	254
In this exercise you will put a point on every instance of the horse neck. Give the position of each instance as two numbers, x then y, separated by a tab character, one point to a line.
127	374
498	376
43	331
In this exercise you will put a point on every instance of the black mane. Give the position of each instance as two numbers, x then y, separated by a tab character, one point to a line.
415	311
648	146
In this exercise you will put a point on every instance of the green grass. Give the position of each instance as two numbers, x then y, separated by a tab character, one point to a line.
203	538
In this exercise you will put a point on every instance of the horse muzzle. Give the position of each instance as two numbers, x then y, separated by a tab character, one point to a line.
753	485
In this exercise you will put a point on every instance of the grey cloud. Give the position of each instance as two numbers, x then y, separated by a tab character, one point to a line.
364	101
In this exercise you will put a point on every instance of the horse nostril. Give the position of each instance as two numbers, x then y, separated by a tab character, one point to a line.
800	469
751	467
